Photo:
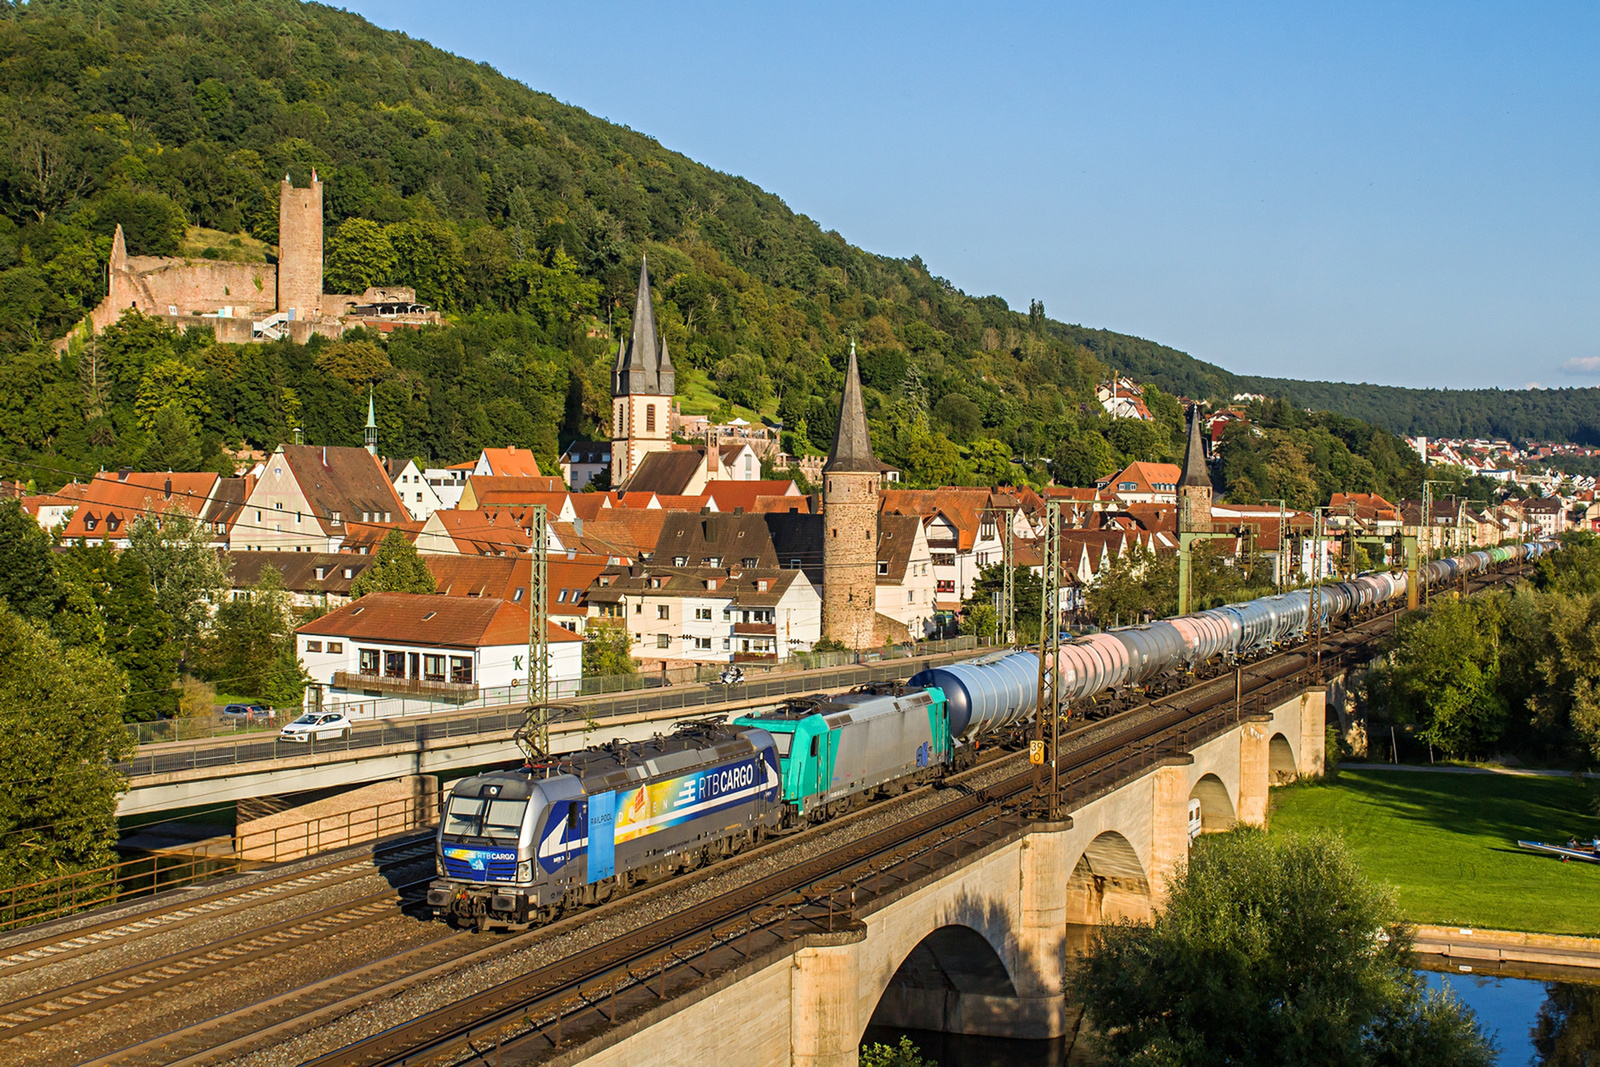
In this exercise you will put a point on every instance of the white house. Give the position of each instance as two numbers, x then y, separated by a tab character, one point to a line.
428	647
419	496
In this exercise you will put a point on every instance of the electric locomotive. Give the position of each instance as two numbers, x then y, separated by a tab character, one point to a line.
518	847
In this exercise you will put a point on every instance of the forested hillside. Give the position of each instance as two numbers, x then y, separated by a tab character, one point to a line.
521	218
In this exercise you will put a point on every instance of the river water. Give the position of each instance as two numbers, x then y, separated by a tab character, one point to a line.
1567	1013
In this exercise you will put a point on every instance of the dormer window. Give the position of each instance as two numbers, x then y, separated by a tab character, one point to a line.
680	561
348	572
883	567
516	597
322	572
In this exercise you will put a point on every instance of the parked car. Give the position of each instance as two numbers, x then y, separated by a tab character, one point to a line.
317	726
247	713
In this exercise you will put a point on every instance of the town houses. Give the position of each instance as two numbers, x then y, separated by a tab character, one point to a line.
676	533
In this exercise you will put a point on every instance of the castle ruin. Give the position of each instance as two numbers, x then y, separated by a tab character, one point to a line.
244	302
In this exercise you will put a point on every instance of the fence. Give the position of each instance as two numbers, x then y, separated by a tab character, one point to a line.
361	707
661	702
147	875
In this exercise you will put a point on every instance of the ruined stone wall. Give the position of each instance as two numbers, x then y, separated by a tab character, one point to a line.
156	285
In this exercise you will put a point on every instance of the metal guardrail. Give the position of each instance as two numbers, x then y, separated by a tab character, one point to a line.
382	732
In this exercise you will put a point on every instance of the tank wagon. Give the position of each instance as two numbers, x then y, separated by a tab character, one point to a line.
518	847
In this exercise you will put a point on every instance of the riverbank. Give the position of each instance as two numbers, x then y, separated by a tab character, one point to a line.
1446	842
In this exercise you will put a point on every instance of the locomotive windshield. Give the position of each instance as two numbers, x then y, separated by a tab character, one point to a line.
485	817
784	742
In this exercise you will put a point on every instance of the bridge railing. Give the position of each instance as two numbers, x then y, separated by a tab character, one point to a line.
361	707
156	872
659	703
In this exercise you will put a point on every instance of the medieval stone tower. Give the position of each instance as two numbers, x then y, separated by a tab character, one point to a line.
850	524
1194	488
300	248
642	384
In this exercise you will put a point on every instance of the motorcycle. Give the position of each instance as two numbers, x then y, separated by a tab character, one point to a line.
731	675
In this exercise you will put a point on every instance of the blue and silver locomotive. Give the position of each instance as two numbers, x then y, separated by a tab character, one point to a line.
518	847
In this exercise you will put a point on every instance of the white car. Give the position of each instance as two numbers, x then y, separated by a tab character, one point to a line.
317	726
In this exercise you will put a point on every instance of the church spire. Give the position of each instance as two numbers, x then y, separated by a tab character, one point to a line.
643	366
372	425
852	444
1194	457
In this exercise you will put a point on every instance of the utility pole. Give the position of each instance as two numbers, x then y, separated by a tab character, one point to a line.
536	729
1008	585
1049	696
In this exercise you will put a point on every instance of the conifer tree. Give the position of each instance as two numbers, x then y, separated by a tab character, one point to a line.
396	568
138	639
27	575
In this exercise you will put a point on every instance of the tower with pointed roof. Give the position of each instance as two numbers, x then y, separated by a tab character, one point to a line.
642	385
372	425
1194	488
850	523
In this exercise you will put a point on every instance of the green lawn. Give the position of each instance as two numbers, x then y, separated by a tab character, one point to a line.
1447	843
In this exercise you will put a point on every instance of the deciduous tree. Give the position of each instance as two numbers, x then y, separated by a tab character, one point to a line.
396	567
1270	951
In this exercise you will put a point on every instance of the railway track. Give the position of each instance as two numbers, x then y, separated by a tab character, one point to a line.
538	1013
66	939
743	925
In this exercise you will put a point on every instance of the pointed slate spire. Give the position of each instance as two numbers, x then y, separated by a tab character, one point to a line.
638	368
852	445
372	426
1194	457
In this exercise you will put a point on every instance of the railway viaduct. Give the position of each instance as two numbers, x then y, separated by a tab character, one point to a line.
981	945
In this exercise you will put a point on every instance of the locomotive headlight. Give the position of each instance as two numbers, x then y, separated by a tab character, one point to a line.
525	871
438	865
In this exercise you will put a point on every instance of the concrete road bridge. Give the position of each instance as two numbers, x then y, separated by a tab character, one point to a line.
172	775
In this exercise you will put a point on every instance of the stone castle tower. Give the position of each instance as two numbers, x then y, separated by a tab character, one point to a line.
1194	488
642	384
850	524
300	248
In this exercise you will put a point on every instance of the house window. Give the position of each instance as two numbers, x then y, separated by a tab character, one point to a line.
703	614
680	561
794	564
649	418
517	596
944	559
703	644
349	573
911	596
945	586
313	646
278	506
749	561
335	646
661	641
711	561
394	664
726	644
883	567
662	612
369	662
433	668
88	524
461	670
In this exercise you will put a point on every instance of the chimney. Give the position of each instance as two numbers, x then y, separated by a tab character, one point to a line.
166	490
577	525
123	472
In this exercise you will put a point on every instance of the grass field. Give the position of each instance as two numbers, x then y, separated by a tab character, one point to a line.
1447	843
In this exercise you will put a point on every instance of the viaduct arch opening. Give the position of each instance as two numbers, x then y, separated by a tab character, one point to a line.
952	982
1281	764
1108	883
1216	807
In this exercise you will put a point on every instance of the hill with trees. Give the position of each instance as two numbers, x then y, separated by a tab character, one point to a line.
522	219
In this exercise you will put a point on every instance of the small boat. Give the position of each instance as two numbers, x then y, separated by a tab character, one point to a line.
1589	853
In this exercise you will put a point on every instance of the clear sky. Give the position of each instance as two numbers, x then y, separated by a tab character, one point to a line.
1395	193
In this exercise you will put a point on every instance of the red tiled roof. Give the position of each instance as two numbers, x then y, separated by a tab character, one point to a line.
727	495
111	502
512	462
423	619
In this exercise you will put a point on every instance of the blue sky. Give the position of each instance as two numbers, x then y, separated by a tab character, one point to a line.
1400	193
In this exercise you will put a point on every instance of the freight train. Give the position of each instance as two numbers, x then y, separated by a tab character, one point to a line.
517	848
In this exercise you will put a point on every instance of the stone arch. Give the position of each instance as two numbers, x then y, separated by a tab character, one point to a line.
1108	883
1281	764
1216	807
954	982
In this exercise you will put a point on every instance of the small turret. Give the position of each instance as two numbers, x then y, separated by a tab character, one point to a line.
1194	488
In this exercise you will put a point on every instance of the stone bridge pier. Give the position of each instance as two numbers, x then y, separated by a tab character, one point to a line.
981	946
